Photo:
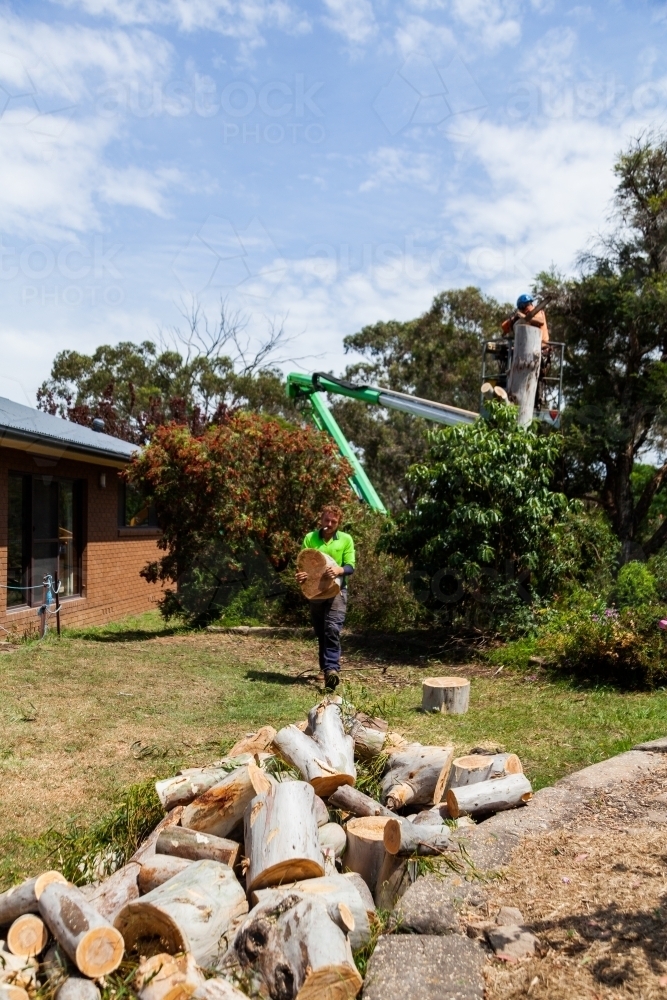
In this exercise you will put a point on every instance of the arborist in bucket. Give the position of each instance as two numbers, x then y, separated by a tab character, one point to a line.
328	616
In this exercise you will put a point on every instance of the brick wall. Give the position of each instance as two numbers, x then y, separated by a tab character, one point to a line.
112	557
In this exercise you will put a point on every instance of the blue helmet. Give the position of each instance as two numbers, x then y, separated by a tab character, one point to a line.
523	301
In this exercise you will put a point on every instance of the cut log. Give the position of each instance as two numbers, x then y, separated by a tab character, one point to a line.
489	796
183	788
368	743
435	816
76	988
333	835
218	989
221	808
315	563
321	811
446	694
18	971
351	800
158	870
365	847
505	763
281	836
392	881
363	890
334	889
147	847
24	897
404	838
117	891
297	951
254	742
196	846
525	370
93	944
9	991
165	977
27	936
469	770
417	775
192	912
325	722
306	754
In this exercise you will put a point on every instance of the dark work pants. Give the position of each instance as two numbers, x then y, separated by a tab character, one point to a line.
328	618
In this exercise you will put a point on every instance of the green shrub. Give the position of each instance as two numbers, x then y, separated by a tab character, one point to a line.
623	647
635	586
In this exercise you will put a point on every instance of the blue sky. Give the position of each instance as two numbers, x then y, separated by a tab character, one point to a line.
317	165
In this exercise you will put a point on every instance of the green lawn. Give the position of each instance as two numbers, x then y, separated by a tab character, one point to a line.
85	717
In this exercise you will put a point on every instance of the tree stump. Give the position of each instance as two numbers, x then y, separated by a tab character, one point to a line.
27	936
281	836
317	587
525	371
93	944
365	847
192	912
446	694
489	796
221	808
469	770
196	846
24	897
417	775
159	869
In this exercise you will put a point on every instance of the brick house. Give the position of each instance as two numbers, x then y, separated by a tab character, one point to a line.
64	510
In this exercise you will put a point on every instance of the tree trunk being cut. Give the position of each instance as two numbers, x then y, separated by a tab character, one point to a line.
446	694
192	912
24	897
417	775
333	835
117	891
93	944
76	988
298	951
365	847
317	587
489	796
334	889
505	763
469	770
165	977
281	836
404	838
525	371
221	808
27	936
159	869
196	846
351	800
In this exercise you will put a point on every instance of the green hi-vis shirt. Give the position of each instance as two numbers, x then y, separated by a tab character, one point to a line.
340	547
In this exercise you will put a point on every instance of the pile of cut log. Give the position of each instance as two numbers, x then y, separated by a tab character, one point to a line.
265	872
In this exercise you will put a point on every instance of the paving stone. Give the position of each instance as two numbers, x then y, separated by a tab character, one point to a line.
428	907
488	848
425	967
509	915
512	940
660	746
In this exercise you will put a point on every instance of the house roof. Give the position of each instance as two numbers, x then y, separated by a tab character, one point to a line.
29	429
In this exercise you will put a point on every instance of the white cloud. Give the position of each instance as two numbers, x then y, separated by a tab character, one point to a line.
494	22
416	34
391	166
353	19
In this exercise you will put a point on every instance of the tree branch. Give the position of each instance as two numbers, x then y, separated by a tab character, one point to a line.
657	539
643	504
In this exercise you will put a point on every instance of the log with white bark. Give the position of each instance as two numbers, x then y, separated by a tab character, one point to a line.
24	897
334	889
117	891
368	743
525	370
325	722
221	808
315	563
321	811
218	989
76	988
446	694
168	977
333	835
404	838
353	801
27	936
281	836
18	971
253	743
93	944
505	763
159	869
365	847
435	816
9	991
363	890
297	951
417	775
146	848
194	845
191	912
489	796
469	770
392	881
183	788
325	758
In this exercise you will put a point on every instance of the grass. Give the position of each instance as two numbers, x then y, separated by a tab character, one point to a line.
87	718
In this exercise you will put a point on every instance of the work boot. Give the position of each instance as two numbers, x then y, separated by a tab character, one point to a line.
331	680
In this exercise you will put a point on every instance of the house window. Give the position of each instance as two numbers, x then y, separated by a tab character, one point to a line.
44	525
134	511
